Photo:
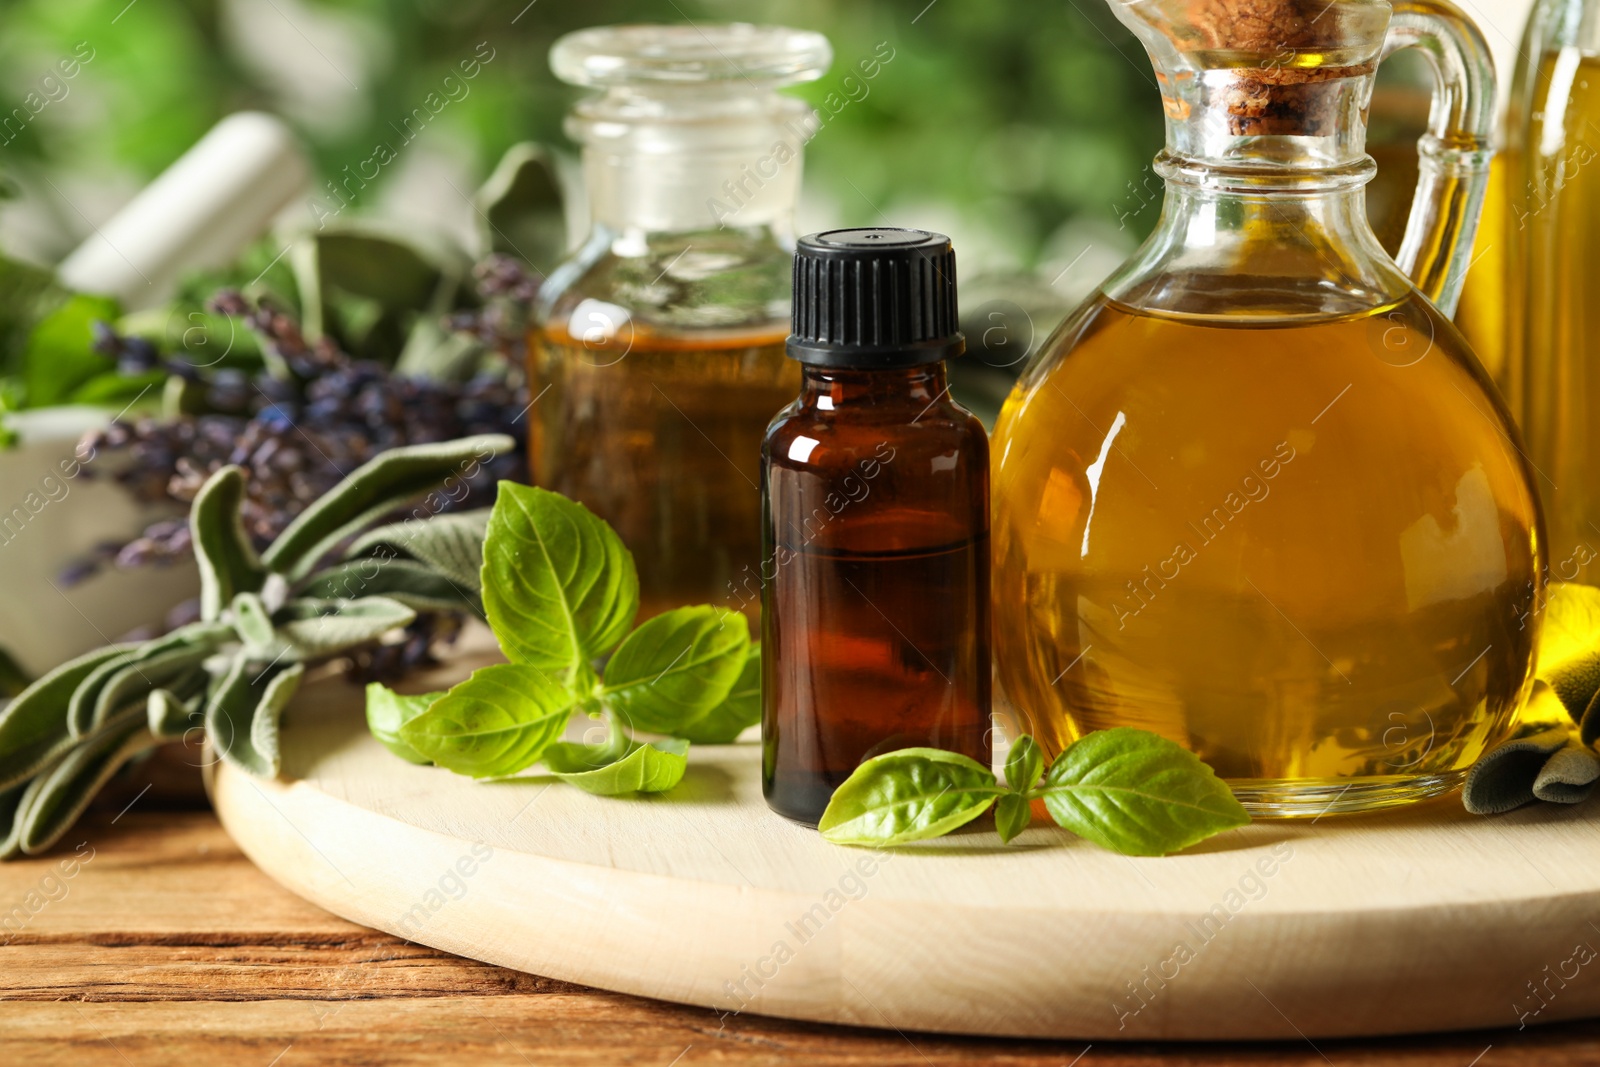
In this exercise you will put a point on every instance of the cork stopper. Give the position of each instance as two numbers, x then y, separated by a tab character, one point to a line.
1276	66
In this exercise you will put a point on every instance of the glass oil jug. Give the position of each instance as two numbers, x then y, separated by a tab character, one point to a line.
657	359
1257	495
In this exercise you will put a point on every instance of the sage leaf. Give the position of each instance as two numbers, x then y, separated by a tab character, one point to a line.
1503	777
643	768
222	550
241	717
1136	793
739	710
314	629
252	620
388	711
80	709
54	800
1568	777
1024	764
10	825
168	716
379	487
134	683
450	544
675	668
520	208
34	729
1012	814
413	584
908	795
497	722
559	588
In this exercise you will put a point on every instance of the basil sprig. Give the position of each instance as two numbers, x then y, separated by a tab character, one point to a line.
1127	790
560	592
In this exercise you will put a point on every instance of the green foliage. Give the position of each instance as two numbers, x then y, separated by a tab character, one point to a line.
561	592
234	671
1124	789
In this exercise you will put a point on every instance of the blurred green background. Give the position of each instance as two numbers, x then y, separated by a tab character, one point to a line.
1024	131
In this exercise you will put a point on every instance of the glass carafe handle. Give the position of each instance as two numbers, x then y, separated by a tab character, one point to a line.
1453	156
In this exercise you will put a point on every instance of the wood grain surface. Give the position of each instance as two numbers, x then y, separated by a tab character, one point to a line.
1420	920
169	947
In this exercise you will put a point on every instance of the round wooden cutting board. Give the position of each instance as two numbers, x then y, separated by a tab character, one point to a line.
1427	919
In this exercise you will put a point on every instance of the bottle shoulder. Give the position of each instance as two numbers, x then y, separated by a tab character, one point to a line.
714	281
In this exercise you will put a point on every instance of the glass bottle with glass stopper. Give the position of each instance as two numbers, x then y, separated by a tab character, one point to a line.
657	357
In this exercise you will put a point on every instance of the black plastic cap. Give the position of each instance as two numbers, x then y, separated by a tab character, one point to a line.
875	299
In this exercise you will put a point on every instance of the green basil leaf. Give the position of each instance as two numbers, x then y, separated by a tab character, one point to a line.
676	667
242	715
1012	815
559	588
451	544
908	795
643	768
54	800
228	562
388	711
379	487
34	728
1136	793
313	629
1024	764
497	722
739	710
416	585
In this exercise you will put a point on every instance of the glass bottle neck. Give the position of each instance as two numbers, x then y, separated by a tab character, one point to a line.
692	164
832	388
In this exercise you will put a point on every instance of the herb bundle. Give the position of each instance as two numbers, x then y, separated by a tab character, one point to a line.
329	584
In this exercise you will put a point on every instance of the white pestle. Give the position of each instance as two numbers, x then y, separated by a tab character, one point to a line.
201	212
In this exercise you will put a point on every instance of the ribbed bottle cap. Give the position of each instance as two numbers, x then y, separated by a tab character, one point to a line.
875	298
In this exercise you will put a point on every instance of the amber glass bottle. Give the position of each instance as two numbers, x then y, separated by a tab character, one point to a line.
658	358
876	490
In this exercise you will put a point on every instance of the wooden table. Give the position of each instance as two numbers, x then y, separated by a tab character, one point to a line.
166	946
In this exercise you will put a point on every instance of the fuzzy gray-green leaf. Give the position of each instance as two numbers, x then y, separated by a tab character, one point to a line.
559	588
497	722
134	683
908	795
674	669
379	487
227	561
241	716
450	544
54	800
33	727
1569	776
1137	793
416	585
643	768
314	629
